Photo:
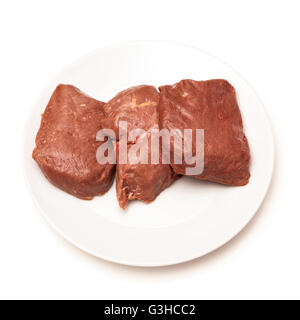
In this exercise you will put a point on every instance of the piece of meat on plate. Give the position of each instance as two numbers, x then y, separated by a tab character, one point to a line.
210	105
143	181
66	144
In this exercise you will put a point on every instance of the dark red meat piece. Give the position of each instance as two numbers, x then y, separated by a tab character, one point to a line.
66	144
210	105
137	106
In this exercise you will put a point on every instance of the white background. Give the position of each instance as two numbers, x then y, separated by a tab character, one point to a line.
260	39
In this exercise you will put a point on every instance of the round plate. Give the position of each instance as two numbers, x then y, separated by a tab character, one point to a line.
187	220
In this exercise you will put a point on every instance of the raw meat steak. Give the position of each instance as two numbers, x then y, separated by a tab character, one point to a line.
66	144
210	105
137	106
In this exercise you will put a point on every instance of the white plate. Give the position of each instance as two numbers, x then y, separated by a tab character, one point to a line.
189	219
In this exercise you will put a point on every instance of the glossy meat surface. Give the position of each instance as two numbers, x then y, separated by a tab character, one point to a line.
142	181
137	106
66	144
210	105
